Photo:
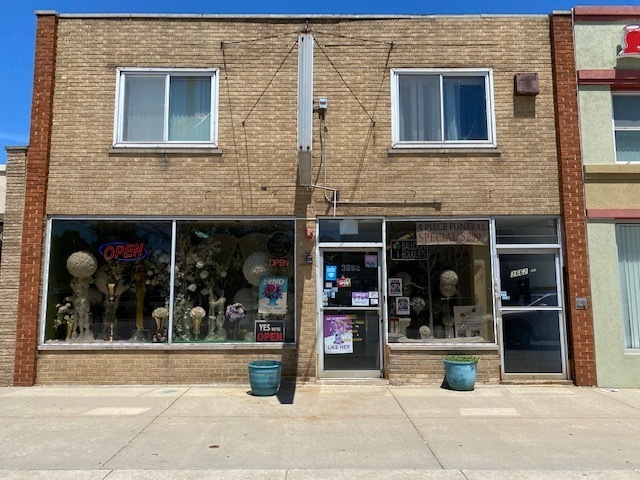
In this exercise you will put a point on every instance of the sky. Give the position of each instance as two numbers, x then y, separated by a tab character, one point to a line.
18	21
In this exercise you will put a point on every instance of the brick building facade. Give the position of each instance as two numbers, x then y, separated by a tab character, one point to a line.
392	173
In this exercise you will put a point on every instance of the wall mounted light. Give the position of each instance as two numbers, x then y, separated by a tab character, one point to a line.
308	233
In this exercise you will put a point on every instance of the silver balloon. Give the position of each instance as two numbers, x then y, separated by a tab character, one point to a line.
448	277
448	290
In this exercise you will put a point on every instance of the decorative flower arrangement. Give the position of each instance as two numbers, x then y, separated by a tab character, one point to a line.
272	291
160	336
181	308
197	276
197	314
158	270
160	315
418	304
235	312
65	312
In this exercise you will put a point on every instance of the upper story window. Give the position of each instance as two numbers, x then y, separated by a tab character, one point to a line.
442	108
626	125
166	107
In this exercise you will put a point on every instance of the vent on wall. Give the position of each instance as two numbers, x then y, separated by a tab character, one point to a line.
526	84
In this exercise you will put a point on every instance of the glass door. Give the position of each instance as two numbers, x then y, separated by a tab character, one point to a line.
350	314
532	321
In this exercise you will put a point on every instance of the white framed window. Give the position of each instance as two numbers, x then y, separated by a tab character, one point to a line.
442	108
164	107
626	126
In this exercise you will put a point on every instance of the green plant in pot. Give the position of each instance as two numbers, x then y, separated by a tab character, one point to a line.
460	371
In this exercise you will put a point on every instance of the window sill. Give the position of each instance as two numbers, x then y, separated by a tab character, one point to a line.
118	151
424	347
450	152
55	345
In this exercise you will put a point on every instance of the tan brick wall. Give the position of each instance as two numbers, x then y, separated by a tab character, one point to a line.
258	118
257	172
10	268
428	367
155	368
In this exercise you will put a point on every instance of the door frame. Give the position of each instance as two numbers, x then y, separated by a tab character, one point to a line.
560	308
351	374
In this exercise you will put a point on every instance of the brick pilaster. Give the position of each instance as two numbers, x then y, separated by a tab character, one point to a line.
10	269
36	173
580	322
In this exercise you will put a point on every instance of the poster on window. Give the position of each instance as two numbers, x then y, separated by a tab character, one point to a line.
272	295
371	261
402	306
468	320
338	334
395	287
359	299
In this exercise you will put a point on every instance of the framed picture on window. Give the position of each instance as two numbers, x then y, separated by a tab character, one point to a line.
402	306
395	287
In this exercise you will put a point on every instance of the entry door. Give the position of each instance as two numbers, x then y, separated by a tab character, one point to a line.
349	324
532	319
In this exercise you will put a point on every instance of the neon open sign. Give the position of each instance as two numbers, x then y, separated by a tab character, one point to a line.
123	251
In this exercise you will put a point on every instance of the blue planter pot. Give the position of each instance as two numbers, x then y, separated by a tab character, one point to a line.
460	375
264	377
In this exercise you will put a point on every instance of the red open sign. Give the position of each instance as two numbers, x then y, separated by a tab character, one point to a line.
123	251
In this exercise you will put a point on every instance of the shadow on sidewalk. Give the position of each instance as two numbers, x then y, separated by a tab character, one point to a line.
286	393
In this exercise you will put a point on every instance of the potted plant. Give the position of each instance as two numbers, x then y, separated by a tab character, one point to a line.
460	371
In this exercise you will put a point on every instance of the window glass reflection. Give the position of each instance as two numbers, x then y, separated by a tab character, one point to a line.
528	280
532	342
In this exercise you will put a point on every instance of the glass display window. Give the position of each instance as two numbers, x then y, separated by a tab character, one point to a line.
230	274
112	281
105	280
439	281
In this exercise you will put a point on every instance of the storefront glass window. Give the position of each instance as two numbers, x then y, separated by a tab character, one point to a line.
350	230
439	281
526	230
105	280
110	281
230	274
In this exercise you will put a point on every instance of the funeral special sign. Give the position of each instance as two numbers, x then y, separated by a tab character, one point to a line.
452	232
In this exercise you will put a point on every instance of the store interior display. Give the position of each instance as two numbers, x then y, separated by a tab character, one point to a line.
444	276
117	283
81	265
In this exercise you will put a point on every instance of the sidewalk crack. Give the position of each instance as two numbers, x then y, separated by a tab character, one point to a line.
149	423
424	440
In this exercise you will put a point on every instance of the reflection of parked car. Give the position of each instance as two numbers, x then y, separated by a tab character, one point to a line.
548	299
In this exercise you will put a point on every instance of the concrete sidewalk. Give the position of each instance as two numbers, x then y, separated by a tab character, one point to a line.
319	431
